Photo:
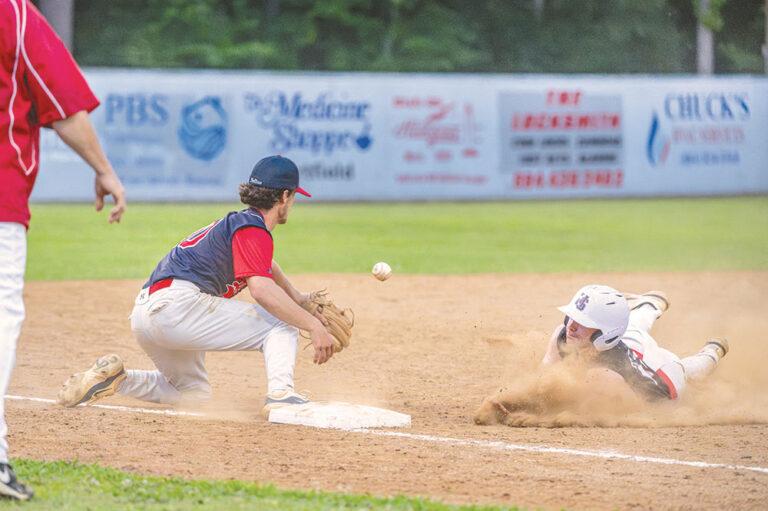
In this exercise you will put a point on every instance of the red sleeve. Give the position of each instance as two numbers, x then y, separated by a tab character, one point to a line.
57	86
252	250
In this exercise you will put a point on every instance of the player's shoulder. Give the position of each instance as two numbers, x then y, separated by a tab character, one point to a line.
249	217
8	27
617	355
243	215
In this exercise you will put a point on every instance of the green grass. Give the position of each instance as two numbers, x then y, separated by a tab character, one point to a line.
70	241
75	486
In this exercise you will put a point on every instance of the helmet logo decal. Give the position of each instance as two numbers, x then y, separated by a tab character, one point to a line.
581	301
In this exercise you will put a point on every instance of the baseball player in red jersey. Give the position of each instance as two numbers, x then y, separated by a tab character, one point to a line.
40	85
612	331
184	310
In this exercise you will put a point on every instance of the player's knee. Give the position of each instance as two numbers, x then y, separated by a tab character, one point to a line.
285	330
195	393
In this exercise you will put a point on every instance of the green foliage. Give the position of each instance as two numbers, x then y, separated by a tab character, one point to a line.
75	486
709	13
71	242
594	36
606	36
739	43
739	59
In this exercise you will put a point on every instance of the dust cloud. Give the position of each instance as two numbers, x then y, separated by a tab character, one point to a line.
561	396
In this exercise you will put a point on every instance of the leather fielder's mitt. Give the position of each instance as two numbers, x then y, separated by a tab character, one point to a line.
340	321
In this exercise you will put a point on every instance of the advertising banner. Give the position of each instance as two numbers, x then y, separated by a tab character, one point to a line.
558	141
194	135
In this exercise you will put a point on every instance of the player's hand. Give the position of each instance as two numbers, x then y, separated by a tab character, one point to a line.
323	344
304	298
109	184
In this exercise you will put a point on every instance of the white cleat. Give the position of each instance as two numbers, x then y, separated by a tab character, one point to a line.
656	299
718	346
281	399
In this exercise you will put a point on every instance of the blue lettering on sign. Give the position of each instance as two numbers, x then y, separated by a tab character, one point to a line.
288	118
713	106
203	130
137	109
710	158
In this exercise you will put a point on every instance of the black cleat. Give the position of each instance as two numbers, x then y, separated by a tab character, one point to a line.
10	487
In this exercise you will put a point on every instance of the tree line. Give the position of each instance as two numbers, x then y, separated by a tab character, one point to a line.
489	36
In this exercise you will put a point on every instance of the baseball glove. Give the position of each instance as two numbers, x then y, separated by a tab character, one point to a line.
340	321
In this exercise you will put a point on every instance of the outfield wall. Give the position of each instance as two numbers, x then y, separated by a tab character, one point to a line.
194	135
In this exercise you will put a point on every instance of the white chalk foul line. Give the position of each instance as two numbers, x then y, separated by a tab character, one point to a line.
558	450
486	444
155	411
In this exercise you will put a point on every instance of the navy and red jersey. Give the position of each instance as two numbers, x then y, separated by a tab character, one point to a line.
630	366
39	83
219	257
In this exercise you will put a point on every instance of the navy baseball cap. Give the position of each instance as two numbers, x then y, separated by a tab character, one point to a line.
276	172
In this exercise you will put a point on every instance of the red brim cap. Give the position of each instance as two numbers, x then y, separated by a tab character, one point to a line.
303	192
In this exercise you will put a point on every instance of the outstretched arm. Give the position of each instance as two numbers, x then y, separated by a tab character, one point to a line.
553	354
282	281
269	295
78	133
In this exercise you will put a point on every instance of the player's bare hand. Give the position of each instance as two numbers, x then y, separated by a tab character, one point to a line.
323	344
500	407
109	184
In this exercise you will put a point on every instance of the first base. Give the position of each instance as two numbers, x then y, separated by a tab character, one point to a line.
339	415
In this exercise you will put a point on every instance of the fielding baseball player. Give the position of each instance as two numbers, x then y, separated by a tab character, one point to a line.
40	85
611	330
184	309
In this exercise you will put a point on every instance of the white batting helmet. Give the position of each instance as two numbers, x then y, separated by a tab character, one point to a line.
603	308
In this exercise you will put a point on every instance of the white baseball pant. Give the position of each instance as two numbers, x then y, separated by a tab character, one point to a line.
177	325
678	371
13	260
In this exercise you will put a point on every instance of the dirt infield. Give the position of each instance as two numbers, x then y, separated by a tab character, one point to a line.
433	347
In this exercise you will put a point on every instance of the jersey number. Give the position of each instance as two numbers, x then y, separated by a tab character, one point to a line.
198	236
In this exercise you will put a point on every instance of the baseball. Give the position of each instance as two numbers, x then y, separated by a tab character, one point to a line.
381	271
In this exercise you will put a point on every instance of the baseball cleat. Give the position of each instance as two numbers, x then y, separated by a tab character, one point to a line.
10	487
656	299
281	399
99	381
717	345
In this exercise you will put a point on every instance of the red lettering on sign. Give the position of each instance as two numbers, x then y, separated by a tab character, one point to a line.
603	178
402	102
563	98
529	180
411	156
564	179
566	122
709	135
569	179
725	135
684	135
